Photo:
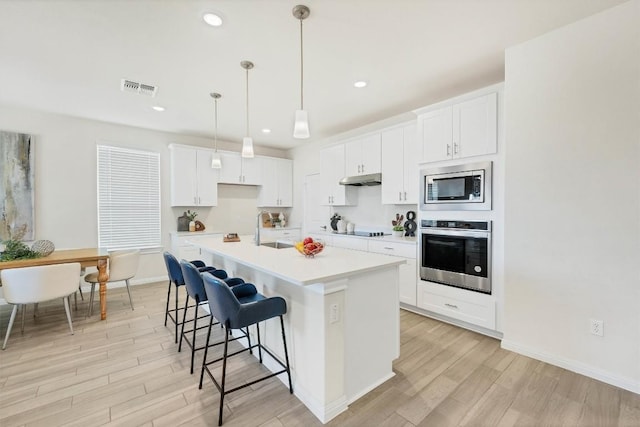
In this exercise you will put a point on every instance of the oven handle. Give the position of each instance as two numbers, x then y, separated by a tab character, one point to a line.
459	233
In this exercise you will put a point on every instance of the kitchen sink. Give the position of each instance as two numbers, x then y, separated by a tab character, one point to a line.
277	245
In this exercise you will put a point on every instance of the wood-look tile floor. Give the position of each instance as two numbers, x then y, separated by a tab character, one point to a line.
127	371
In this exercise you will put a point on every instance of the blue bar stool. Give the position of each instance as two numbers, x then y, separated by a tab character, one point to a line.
194	284
175	278
235	314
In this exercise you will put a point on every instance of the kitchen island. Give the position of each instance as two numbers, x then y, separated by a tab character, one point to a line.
342	322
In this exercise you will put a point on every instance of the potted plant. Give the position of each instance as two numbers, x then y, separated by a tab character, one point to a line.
398	227
192	220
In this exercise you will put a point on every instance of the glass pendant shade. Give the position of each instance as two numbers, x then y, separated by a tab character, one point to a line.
216	161
301	125
247	147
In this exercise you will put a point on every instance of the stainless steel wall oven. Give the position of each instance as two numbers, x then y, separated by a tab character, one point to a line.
456	253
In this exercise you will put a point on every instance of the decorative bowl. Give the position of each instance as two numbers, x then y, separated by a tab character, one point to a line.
310	249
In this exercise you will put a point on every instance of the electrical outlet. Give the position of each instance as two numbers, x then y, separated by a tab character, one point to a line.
597	327
334	313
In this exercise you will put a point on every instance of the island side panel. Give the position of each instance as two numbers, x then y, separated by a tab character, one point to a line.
372	330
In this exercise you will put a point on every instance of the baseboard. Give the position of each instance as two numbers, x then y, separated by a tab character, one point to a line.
455	322
574	366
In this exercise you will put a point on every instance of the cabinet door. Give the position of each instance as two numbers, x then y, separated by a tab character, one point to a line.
353	158
408	282
269	189
437	134
410	169
207	179
392	166
183	176
231	172
285	182
252	171
475	126
331	172
371	154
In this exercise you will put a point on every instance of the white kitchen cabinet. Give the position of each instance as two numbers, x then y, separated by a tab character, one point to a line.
193	181
348	242
408	272
363	155
463	129
331	172
471	307
275	233
277	183
240	170
400	165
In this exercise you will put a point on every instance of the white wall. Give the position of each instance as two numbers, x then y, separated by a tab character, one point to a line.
65	172
572	230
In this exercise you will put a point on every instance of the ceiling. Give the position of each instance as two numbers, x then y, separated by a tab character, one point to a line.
69	57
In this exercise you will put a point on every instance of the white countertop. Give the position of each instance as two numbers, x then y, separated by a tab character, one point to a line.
289	265
387	238
194	233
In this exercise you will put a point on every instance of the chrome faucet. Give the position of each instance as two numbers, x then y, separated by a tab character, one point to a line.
257	235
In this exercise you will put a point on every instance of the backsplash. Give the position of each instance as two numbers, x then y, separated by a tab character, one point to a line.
370	212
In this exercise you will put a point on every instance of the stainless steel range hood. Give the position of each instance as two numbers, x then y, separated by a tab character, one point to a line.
359	180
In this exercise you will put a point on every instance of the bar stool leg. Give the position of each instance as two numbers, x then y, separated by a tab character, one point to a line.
224	377
286	355
259	343
184	318
176	314
193	340
206	350
166	311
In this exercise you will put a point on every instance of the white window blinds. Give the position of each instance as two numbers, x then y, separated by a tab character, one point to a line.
128	198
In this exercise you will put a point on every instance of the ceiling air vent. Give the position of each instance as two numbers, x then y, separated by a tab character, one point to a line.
131	86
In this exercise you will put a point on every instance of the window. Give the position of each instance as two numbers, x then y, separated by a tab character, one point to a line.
128	198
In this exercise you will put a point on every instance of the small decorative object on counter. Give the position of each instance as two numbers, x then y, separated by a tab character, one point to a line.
192	217
309	247
199	226
283	222
231	237
410	226
334	222
398	228
183	222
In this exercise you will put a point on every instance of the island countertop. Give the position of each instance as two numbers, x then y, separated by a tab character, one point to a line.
288	264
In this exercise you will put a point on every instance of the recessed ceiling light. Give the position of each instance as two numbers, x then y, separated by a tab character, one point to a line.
158	108
360	83
212	19
265	130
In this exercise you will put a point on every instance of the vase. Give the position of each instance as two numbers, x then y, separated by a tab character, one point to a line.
192	226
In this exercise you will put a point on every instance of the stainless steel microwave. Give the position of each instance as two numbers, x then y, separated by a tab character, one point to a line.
464	187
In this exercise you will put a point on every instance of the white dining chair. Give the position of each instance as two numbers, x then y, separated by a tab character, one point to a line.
123	265
31	285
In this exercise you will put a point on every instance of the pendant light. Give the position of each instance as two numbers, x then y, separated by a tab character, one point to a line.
301	125
216	161
247	142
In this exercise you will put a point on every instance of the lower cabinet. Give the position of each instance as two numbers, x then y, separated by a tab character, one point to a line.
273	234
471	307
181	249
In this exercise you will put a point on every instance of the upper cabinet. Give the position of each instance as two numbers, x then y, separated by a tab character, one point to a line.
463	129
239	170
400	165
332	170
363	155
193	181
277	183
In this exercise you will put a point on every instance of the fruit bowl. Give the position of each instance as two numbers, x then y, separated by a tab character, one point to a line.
309	247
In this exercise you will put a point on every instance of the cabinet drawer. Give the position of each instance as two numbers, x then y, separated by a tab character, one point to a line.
350	243
477	309
393	248
280	234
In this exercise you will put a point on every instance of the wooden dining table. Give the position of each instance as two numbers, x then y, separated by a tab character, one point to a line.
89	257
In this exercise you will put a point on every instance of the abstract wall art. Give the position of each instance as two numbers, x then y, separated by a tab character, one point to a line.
17	181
